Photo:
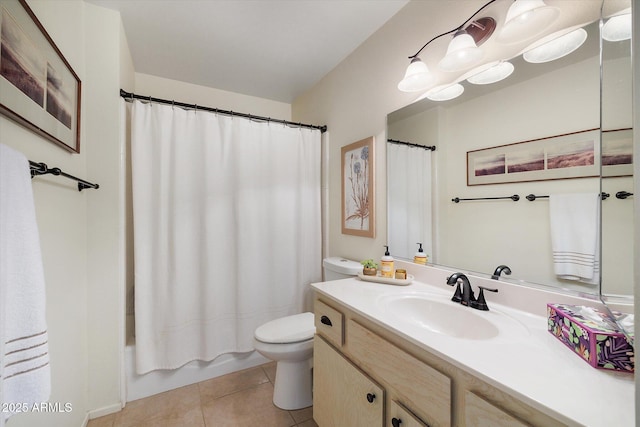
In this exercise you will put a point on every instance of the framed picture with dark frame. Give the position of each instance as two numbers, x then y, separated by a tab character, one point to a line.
38	87
358	190
571	155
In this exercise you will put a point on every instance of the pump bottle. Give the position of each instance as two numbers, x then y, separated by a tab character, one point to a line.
386	264
420	257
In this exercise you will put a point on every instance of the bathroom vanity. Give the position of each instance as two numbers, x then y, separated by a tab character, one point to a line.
403	356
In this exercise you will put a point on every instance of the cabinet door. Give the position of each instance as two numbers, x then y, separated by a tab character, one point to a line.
480	413
342	395
424	390
399	416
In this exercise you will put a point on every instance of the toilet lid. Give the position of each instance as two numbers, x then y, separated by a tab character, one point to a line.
290	329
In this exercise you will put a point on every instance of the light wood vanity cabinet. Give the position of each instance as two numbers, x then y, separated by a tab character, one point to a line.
399	416
413	388
480	413
349	363
343	395
329	323
422	389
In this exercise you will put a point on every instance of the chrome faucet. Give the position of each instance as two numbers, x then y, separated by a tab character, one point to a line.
465	296
499	270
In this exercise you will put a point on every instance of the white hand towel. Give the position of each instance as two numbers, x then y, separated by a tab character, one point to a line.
25	377
575	236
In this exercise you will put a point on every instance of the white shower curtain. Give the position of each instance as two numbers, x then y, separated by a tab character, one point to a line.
227	230
409	200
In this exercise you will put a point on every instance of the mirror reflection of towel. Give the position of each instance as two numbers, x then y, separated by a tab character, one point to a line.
575	236
25	377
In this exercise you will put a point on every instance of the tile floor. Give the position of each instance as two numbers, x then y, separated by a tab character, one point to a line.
239	399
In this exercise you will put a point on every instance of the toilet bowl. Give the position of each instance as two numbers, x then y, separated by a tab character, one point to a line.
289	342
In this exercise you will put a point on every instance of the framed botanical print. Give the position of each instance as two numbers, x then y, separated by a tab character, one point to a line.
358	188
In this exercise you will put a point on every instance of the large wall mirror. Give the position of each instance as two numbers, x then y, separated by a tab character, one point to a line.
575	99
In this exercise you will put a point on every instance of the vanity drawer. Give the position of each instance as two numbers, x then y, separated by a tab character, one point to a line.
329	323
399	416
480	413
423	389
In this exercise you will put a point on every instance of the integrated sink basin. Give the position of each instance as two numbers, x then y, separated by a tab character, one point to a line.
441	315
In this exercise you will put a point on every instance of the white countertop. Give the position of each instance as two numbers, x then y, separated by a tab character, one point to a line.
524	359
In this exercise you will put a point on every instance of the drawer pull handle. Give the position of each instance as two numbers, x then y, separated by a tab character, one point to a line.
395	422
371	397
326	321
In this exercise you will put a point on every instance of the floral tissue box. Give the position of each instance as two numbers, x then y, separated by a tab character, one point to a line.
592	334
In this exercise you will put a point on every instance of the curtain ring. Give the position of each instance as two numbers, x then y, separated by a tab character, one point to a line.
173	103
149	99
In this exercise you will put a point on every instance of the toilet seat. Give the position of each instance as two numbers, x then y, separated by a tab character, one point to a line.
285	330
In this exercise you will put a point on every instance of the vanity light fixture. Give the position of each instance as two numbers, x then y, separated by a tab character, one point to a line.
417	77
557	47
491	73
526	19
461	53
618	27
445	92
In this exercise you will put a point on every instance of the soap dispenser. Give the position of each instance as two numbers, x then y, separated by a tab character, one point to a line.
386	264
420	257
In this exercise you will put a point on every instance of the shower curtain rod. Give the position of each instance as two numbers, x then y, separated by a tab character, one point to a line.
411	144
128	96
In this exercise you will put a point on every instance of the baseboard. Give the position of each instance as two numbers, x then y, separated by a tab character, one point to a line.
107	410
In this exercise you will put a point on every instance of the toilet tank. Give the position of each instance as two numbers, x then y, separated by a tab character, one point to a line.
336	268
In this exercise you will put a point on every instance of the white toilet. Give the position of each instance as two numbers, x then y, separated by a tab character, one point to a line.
289	341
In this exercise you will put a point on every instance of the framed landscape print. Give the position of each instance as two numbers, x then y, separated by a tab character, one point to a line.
38	87
358	188
617	152
573	155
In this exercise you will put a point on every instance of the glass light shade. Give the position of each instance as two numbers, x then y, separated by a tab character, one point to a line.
417	77
497	72
445	93
461	53
526	19
617	28
556	48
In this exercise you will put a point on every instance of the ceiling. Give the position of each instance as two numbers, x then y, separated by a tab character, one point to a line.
273	49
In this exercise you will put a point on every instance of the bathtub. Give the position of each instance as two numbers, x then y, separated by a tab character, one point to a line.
139	386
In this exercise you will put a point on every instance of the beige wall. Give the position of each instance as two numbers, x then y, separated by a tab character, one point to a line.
353	100
159	87
105	291
80	232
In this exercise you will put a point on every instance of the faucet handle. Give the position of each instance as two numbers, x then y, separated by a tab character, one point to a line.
457	296
481	303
